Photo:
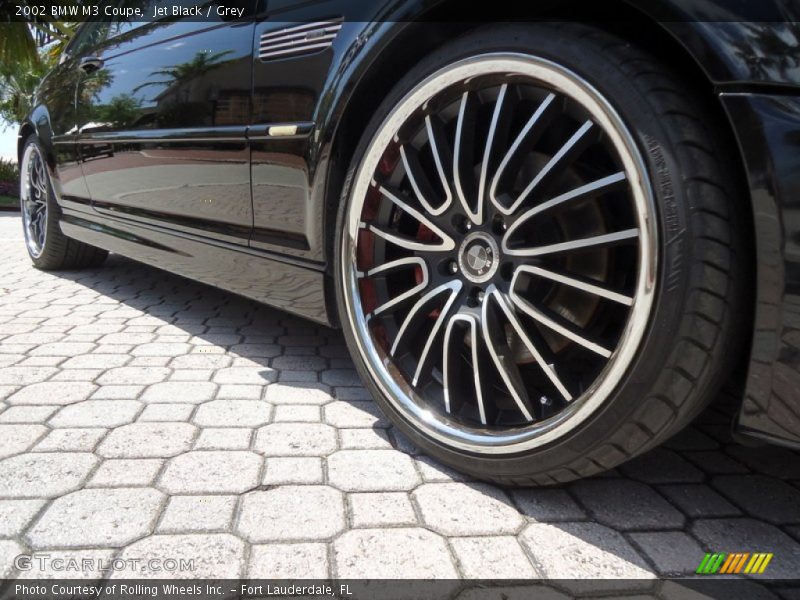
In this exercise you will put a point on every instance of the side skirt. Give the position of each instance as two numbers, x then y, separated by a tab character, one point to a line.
291	285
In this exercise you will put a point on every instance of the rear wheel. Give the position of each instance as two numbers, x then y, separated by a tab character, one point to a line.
47	246
535	274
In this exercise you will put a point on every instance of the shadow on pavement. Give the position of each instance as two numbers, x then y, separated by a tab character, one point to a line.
660	513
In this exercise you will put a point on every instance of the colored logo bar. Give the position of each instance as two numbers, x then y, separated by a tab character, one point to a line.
721	563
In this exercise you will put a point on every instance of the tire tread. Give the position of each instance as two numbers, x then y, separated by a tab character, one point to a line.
705	184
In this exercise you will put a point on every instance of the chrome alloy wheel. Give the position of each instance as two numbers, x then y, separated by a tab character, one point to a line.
500	253
33	196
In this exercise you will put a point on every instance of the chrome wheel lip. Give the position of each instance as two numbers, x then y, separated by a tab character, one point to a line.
32	196
401	396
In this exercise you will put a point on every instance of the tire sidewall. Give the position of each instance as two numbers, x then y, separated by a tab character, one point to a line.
52	221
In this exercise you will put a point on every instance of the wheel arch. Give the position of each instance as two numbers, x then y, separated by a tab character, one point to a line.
25	131
38	123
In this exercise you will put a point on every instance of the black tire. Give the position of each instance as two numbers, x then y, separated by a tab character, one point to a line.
693	334
57	252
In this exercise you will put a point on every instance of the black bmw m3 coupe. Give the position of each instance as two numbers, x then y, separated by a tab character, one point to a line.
549	242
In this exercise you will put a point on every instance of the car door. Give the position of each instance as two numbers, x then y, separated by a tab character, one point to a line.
163	121
57	92
295	45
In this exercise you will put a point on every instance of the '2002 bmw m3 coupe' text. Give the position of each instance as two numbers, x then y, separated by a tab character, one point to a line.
548	242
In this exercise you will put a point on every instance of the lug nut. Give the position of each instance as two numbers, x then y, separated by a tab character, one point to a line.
481	295
461	223
452	267
499	225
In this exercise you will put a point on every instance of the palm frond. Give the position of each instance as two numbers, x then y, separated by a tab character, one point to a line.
17	44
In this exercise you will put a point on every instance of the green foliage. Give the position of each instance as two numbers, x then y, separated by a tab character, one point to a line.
9	179
23	41
27	51
8	170
17	44
18	81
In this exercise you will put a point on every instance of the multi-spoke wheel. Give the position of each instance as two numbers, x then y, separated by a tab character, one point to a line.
503	242
47	246
34	192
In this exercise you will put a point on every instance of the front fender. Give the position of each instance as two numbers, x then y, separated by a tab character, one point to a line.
755	43
38	123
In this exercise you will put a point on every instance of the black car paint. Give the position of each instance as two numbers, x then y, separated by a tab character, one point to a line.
272	242
175	113
769	128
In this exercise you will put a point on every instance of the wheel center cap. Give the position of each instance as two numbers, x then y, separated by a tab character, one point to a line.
478	257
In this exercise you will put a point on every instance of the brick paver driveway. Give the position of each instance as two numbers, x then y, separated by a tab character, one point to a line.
143	415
